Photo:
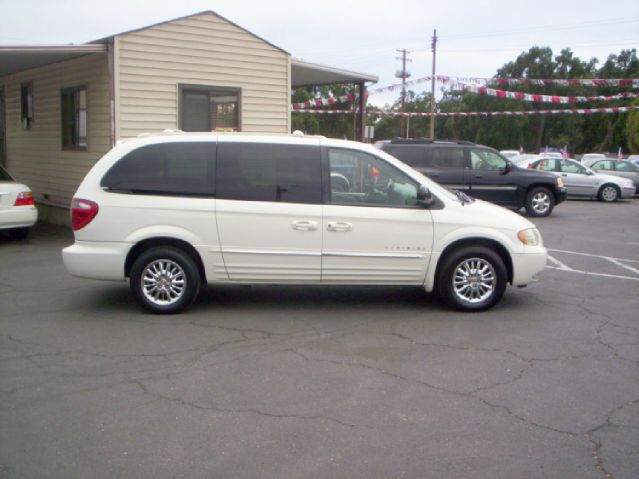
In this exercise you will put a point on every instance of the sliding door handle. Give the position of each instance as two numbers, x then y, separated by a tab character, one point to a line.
304	225
339	226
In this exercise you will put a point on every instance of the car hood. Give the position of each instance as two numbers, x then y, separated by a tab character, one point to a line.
533	172
613	179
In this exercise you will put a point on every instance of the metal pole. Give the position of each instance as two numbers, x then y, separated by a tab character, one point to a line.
362	111
432	88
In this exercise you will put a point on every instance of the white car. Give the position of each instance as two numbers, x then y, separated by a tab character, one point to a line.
17	209
509	153
590	158
176	210
583	182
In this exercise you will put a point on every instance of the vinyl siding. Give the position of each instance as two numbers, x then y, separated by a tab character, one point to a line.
35	156
199	50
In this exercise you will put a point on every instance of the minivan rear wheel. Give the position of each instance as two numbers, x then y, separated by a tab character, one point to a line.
472	279
164	280
539	202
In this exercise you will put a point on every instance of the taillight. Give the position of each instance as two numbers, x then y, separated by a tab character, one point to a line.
82	212
25	198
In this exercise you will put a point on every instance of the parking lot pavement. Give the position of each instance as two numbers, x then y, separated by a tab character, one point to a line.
302	382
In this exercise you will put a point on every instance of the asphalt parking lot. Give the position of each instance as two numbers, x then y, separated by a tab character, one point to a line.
296	382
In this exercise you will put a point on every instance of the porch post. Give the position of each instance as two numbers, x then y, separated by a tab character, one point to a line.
361	113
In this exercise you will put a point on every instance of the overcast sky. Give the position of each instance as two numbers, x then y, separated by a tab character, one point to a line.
476	37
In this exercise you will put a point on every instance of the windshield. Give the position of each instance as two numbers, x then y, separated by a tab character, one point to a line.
4	176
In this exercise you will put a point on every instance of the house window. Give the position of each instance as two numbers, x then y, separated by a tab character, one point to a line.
74	118
205	108
26	104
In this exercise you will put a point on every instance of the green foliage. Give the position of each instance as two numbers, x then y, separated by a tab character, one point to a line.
581	133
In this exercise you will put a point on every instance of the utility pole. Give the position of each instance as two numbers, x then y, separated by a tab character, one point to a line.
432	87
403	74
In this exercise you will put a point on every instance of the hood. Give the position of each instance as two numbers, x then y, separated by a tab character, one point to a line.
612	178
533	172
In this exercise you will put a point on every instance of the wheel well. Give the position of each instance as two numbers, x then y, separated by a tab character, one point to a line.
616	187
144	245
550	188
489	243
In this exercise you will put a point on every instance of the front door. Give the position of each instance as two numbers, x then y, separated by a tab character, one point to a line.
489	179
576	179
373	230
269	212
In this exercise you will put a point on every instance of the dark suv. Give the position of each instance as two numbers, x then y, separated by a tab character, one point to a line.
480	172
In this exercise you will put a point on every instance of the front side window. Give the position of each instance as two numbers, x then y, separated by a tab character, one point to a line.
74	118
26	104
603	165
357	178
185	168
486	160
269	172
209	108
570	167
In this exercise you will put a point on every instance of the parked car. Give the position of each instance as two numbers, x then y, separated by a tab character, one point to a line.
634	159
582	182
17	209
509	153
480	172
173	211
622	168
524	160
592	157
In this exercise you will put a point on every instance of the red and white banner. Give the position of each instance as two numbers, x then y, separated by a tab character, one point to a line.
322	102
515	95
596	82
577	111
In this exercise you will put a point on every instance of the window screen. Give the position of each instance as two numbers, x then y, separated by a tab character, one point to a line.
268	172
165	168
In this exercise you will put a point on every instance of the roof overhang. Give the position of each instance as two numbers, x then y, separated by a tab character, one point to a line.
313	74
19	58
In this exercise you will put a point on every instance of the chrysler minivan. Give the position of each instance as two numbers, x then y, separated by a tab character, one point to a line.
173	211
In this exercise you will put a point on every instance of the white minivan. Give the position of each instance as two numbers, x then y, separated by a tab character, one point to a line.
173	211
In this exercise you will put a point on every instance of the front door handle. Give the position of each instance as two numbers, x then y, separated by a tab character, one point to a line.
339	226
304	225
564	174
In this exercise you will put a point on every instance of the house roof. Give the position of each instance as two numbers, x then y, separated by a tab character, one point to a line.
18	58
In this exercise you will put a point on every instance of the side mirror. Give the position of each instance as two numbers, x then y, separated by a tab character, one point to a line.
424	196
506	169
590	172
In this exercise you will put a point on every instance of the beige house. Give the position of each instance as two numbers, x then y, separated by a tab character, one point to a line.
63	107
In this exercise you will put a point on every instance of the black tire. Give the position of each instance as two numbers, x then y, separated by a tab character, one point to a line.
460	260
176	280
19	233
539	202
608	193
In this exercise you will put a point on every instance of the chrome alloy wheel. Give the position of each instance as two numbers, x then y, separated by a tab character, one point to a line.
474	280
163	282
540	202
609	193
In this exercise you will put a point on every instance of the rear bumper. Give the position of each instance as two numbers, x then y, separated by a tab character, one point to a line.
527	266
18	217
96	260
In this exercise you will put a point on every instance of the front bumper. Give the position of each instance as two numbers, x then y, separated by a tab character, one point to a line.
562	194
527	266
628	192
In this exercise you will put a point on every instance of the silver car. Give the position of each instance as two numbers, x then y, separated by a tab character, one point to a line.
582	182
623	168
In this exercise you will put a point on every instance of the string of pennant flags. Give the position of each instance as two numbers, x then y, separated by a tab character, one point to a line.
576	111
477	82
515	95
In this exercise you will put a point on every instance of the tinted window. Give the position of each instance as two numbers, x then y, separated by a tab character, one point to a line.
165	168
448	157
357	178
413	155
267	172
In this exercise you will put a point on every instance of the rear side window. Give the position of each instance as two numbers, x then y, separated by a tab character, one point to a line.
186	168
448	157
412	155
269	172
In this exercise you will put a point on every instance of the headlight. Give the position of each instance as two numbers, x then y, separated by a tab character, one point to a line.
560	182
530	237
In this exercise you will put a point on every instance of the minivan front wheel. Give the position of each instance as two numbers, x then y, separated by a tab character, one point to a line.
539	202
472	279
165	280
